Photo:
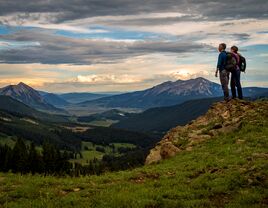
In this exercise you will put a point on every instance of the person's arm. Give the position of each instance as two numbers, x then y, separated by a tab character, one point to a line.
245	65
216	72
218	65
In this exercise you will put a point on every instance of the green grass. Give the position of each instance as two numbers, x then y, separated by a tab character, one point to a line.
226	171
91	153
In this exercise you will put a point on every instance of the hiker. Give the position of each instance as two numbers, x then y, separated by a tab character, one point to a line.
224	74
235	75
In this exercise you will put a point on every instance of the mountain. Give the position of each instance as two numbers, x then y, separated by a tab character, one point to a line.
29	96
81	97
15	107
161	119
262	95
222	117
53	99
165	94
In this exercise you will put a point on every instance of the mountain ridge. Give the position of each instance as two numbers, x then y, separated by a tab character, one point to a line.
164	94
29	96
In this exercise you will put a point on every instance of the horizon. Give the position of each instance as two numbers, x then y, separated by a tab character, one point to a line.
122	46
120	92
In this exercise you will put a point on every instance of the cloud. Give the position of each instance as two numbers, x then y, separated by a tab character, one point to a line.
185	74
55	49
63	10
108	79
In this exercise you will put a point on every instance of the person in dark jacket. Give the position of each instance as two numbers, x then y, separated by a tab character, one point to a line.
224	74
235	76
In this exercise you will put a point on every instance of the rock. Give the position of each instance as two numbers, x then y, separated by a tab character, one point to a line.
217	126
226	115
163	151
168	150
154	156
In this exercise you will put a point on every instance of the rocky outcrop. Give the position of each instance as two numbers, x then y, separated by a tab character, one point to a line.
222	117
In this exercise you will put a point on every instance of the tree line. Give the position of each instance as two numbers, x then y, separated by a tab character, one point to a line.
50	160
24	159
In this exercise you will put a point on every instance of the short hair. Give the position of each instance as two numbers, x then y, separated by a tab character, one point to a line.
234	48
223	45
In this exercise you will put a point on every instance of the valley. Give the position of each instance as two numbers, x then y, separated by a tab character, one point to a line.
227	170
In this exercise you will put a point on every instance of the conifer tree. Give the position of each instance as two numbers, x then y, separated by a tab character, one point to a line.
20	157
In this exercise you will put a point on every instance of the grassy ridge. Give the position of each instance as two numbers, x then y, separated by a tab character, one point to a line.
230	170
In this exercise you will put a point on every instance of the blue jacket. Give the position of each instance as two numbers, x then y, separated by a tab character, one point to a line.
222	60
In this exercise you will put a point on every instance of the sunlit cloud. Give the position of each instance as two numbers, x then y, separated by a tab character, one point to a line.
107	78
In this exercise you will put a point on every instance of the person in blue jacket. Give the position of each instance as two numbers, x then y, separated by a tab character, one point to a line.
224	74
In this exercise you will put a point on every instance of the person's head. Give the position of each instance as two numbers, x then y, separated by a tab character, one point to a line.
222	47
234	49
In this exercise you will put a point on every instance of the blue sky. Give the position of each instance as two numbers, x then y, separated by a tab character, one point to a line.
129	45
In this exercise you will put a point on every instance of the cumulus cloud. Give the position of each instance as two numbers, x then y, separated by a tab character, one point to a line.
186	74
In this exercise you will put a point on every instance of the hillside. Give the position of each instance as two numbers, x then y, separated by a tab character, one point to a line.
15	107
221	118
114	114
228	169
79	97
53	99
161	119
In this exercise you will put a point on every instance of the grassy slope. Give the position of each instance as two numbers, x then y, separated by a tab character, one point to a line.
230	170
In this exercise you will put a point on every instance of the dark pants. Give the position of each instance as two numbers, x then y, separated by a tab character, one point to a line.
224	78
236	84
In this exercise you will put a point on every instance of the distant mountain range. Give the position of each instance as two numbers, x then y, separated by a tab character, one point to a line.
166	94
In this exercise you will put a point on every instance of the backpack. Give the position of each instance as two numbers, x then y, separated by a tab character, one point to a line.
242	63
231	62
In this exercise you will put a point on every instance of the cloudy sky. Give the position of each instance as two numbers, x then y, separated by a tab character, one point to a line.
126	45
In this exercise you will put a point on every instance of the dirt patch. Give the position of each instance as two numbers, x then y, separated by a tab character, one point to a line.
220	200
197	174
77	129
66	191
141	177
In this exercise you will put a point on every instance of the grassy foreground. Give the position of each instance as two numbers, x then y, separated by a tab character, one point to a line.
230	170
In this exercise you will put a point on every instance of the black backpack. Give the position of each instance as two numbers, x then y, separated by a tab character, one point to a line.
242	63
231	62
